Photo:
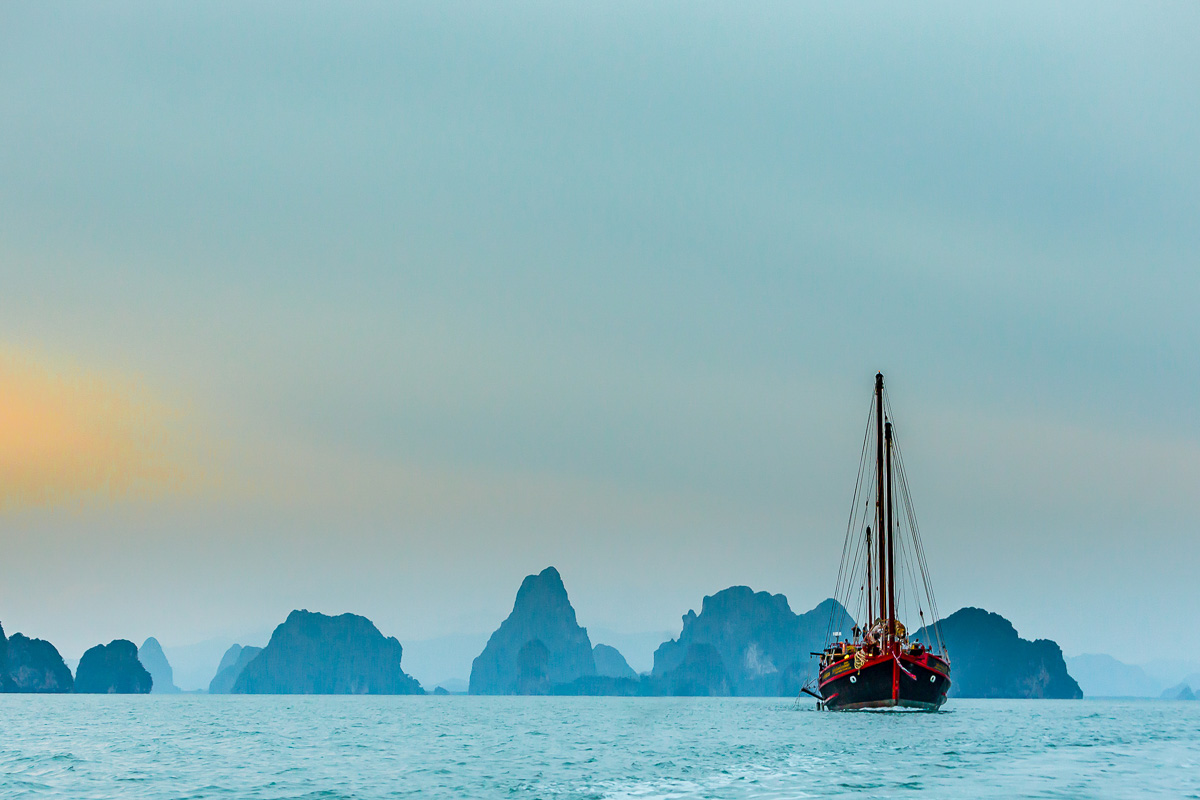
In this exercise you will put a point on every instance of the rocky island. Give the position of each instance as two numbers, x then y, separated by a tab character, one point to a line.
989	659
232	663
1181	692
32	665
155	661
742	643
538	647
113	668
5	681
611	664
314	653
745	643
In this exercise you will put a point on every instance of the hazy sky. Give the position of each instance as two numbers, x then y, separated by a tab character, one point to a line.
381	308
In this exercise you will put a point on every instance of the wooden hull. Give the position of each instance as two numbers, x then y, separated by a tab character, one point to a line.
886	681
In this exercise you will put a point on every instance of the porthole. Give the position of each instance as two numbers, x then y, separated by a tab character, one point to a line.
933	678
854	679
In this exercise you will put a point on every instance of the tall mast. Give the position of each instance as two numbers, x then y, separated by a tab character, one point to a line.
870	580
879	498
891	539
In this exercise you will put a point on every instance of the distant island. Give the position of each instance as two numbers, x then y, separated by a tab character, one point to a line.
742	644
538	647
155	661
113	668
314	653
610	663
1102	675
989	659
232	663
32	665
745	643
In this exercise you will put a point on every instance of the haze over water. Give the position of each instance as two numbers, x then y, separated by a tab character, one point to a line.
155	748
380	307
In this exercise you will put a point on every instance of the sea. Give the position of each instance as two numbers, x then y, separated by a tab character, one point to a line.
197	746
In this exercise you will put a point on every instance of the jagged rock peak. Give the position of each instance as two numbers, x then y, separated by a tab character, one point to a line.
155	661
762	646
544	591
538	646
231	656
313	653
113	668
232	663
743	599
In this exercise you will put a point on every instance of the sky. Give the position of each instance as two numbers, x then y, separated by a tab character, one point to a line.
381	307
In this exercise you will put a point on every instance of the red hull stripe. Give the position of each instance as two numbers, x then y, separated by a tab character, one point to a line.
843	668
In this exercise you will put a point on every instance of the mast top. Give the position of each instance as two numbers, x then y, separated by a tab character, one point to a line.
878	379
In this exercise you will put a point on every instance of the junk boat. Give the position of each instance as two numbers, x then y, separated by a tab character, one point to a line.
877	664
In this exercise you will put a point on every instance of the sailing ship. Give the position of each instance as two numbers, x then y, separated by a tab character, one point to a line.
883	576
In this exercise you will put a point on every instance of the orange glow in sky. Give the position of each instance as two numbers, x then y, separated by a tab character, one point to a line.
69	435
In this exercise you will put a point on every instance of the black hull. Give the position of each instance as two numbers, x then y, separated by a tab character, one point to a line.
884	684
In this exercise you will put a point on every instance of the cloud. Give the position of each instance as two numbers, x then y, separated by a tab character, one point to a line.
71	436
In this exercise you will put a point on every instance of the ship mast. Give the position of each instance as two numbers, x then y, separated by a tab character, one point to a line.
891	540
880	527
870	580
878	590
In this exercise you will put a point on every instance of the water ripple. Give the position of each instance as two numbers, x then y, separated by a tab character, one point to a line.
327	748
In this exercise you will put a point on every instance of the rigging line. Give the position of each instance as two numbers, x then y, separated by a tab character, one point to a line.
849	589
862	467
910	512
919	546
908	562
845	572
864	546
913	568
906	495
861	590
901	585
915	596
853	514
902	557
909	552
865	522
845	592
850	523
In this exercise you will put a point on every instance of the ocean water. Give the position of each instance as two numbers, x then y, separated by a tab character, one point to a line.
500	747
